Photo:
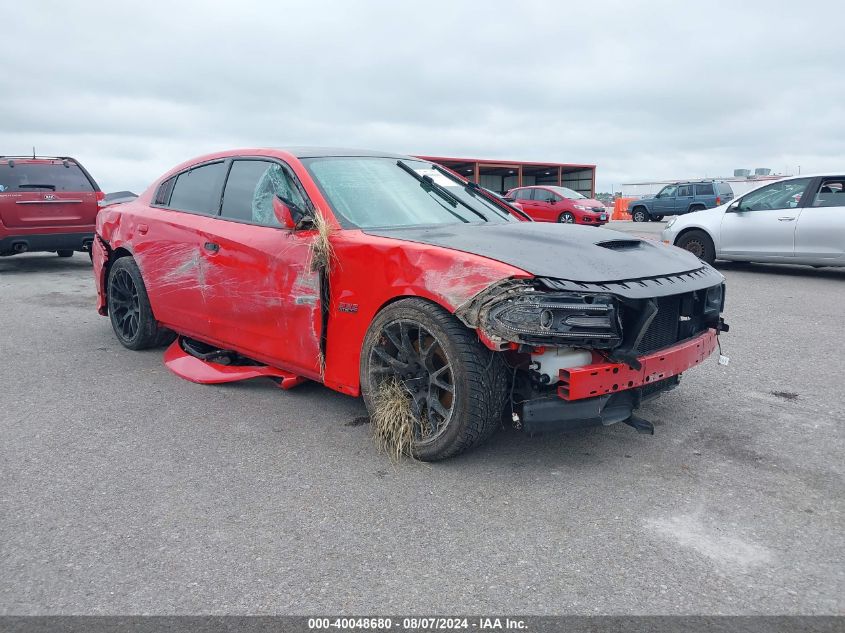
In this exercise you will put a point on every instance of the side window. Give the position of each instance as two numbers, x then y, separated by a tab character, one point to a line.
705	189
542	195
250	189
198	190
523	194
164	191
831	193
785	194
667	192
684	190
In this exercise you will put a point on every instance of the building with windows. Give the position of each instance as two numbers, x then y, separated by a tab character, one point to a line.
501	175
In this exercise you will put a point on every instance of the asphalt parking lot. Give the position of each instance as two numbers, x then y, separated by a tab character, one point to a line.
127	490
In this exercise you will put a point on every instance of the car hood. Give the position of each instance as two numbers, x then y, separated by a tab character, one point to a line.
562	251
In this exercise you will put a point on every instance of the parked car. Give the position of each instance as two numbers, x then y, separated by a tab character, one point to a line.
558	204
365	270
46	204
797	220
680	198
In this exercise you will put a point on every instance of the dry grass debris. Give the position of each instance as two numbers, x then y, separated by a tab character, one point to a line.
392	420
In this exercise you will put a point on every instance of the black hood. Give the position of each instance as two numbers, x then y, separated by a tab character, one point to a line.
561	251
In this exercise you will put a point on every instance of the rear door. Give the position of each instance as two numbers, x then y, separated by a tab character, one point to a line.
523	197
263	300
761	224
41	193
544	204
172	239
820	235
683	199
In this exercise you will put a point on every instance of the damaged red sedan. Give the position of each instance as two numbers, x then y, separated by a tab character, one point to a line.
362	270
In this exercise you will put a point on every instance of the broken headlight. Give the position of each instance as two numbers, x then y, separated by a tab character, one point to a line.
714	301
586	320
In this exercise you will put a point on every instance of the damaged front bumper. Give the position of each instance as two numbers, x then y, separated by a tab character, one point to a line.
601	394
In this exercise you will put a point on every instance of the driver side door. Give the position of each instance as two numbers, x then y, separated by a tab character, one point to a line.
263	299
761	224
664	201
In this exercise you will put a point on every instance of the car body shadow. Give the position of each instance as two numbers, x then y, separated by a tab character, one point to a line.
792	270
42	262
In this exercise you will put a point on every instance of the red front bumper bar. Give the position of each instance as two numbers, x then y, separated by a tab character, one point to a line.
603	378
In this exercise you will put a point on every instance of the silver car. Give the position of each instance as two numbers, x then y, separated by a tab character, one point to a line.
798	220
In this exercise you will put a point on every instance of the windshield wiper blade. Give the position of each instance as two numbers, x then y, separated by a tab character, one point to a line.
473	188
50	187
428	181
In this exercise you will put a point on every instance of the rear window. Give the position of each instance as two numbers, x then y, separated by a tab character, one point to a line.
704	189
43	177
724	188
198	190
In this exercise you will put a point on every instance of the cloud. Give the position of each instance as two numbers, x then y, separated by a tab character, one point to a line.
645	91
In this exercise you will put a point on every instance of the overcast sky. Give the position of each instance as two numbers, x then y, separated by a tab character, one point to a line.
644	90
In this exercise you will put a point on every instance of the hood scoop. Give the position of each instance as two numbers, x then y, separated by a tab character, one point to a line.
620	245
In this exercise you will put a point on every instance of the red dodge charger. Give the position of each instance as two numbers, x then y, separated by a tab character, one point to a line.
355	269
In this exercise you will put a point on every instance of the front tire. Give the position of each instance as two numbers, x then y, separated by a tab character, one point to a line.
566	218
64	253
639	215
699	244
130	312
455	386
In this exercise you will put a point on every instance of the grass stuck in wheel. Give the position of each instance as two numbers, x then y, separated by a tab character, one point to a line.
393	419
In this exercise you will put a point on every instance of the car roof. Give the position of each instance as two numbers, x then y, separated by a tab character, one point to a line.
29	160
319	152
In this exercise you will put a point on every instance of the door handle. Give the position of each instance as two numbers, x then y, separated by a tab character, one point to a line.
212	246
786	219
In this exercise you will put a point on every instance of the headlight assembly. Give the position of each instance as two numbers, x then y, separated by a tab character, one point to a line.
589	320
671	222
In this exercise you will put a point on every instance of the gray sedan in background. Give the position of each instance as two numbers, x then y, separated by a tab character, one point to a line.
798	220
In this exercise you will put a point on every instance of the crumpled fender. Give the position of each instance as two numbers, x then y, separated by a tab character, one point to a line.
370	272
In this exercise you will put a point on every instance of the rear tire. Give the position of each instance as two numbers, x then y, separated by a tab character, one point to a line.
130	312
695	208
639	215
699	244
657	218
444	368
64	253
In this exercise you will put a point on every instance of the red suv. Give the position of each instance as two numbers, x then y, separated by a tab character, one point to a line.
558	204
46	204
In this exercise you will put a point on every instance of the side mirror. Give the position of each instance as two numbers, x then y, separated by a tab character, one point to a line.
733	207
284	213
552	201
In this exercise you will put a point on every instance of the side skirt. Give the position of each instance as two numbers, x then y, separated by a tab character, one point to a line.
207	372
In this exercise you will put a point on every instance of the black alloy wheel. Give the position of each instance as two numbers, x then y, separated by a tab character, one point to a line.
124	305
456	388
129	308
410	353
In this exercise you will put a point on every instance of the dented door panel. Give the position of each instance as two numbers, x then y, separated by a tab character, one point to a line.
262	299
